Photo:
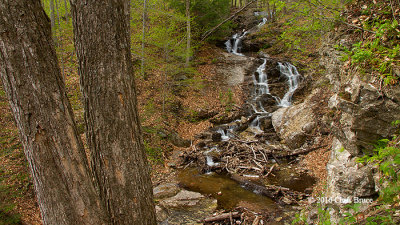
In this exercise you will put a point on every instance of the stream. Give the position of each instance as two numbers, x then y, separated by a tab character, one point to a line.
218	182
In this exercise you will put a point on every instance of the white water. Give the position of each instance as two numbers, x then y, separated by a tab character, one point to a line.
237	44
224	135
261	81
263	22
210	161
291	73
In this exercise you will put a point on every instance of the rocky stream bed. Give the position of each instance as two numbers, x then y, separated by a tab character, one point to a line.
240	168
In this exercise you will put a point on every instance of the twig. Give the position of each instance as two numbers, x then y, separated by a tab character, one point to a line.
270	170
254	153
249	168
258	164
276	159
188	164
256	220
265	158
393	14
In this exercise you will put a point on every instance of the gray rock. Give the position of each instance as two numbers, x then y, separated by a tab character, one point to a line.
346	178
366	115
235	67
183	199
165	190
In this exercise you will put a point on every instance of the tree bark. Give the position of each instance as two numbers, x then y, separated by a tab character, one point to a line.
113	131
36	91
188	33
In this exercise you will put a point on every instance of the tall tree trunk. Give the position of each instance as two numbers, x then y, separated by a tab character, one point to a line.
113	131
144	15
188	34
36	91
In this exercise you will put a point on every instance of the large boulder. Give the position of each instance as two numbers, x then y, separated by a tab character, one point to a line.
234	68
293	124
346	178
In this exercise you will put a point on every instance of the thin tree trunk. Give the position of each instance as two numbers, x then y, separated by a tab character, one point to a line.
52	15
32	80
59	42
188	50
144	36
166	51
66	10
113	133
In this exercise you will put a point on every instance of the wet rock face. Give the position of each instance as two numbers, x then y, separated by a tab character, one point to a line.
366	115
346	178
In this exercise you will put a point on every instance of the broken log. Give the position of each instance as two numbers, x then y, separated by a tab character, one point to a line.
221	217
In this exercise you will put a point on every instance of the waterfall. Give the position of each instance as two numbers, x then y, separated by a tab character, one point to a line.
291	73
237	43
224	135
263	22
261	88
261	82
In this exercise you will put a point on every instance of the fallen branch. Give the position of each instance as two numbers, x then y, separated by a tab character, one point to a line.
299	152
206	34
221	217
270	170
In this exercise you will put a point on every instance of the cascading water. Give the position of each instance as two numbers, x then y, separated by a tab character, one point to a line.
237	43
210	161
261	81
265	20
291	73
224	135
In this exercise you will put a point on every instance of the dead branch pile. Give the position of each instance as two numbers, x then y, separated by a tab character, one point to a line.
243	157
